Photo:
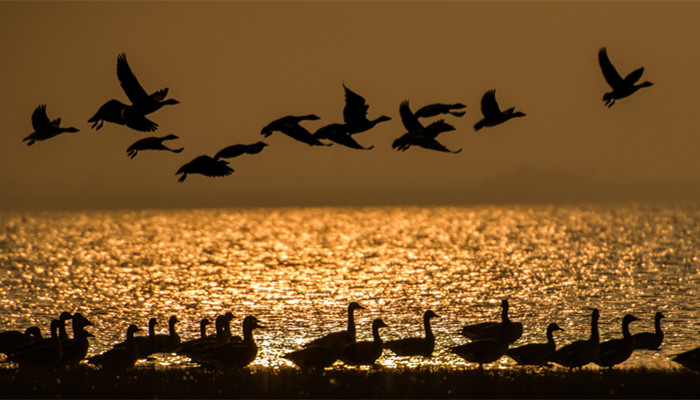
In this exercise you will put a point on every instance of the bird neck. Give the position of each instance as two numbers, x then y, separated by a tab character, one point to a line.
351	323
203	330
428	330
550	336
657	326
375	334
151	329
594	330
626	329
171	328
504	314
248	335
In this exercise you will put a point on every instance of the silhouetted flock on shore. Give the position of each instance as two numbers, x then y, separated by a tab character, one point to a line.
355	120
224	351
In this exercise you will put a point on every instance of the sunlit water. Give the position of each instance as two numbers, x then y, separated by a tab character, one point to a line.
297	269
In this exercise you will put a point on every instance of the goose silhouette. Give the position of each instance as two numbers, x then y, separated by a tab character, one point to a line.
11	340
492	113
416	346
232	355
120	357
151	143
365	352
621	88
535	353
616	351
40	354
43	127
289	125
142	102
76	348
340	339
240	149
493	329
419	135
116	112
689	359
484	351
206	166
580	352
355	113
314	357
338	133
432	110
192	344
649	340
167	343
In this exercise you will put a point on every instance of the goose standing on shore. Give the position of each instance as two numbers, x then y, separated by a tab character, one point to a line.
232	355
365	352
167	343
535	353
492	113
63	317
314	357
11	340
44	353
416	346
76	348
43	127
289	125
580	352
185	346
341	338
419	135
648	340
689	359
493	329
142	102
240	149
119	358
484	351
432	110
206	166
621	88
355	113
151	143
616	351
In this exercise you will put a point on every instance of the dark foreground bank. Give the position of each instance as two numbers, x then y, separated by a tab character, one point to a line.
86	382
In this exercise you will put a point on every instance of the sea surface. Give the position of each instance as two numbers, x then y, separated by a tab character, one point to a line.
297	269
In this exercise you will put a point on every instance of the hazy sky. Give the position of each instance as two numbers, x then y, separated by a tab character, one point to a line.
236	66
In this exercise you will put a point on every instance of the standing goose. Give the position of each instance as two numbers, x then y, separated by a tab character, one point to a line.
222	335
432	110
230	355
186	346
119	358
143	102
535	353
492	113
338	133
484	351
365	352
167	343
43	127
340	339
240	149
417	346
493	329
616	351
151	143
621	88
419	135
289	125
206	166
63	317
355	113
146	344
76	348
44	353
314	357
689	359
116	112
580	352
648	340
11	340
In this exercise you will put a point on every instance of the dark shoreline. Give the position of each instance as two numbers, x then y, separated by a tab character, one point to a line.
160	382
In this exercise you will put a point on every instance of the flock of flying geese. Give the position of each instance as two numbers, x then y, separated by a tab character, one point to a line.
223	351
354	116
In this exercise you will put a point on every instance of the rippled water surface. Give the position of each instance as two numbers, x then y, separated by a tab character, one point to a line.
297	269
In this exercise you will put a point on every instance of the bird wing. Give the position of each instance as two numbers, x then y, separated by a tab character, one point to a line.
410	122
159	95
216	168
634	76
436	128
133	89
489	106
40	121
432	144
141	123
609	72
355	107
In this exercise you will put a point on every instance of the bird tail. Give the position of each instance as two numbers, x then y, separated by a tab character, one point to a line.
177	150
478	125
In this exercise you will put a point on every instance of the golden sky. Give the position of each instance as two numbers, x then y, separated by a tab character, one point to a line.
236	66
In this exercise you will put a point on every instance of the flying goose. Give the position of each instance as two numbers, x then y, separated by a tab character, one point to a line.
289	125
151	143
493	329
341	338
419	135
580	352
119	358
416	346
648	340
239	149
143	102
616	351
338	133
492	113
231	355
535	353
485	350
43	127
365	352
116	112
355	113
206	166
621	88
432	110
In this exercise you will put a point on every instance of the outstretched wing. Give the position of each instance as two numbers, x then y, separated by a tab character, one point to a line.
40	121
355	107
432	144
634	76
141	123
609	72
489	106
436	128
410	122
131	86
